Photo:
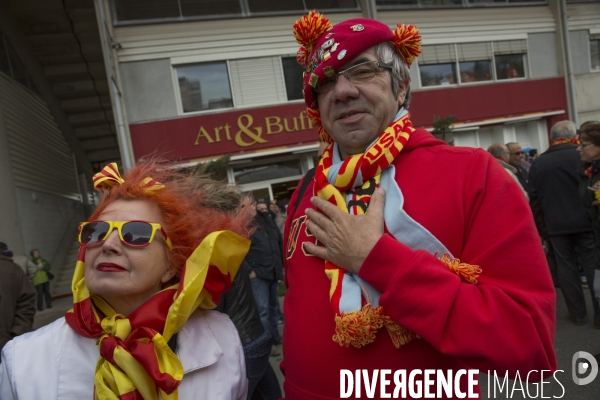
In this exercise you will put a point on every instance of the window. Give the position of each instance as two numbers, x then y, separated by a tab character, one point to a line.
497	2
132	10
292	72
265	172
509	58
437	65
153	10
438	74
475	62
595	52
510	66
395	4
204	86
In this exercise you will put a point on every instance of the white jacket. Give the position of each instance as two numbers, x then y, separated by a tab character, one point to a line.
54	362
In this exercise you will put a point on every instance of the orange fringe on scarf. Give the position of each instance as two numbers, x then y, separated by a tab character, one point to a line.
468	272
400	335
358	328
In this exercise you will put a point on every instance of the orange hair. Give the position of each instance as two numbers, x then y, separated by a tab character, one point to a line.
189	212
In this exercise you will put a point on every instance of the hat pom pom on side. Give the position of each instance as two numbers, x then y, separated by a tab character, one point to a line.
302	56
314	116
407	42
309	28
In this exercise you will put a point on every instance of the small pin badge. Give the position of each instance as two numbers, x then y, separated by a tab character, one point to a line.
314	78
341	54
329	71
357	28
334	47
327	44
320	53
326	56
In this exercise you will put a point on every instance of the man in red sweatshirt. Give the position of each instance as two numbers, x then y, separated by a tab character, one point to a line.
404	263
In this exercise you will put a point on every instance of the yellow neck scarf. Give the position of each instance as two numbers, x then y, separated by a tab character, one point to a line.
135	360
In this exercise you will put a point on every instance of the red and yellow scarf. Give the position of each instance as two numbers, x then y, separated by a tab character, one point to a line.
358	327
561	141
135	359
350	188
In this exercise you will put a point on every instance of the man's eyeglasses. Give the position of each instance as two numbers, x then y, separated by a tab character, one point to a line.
358	73
584	145
131	233
517	153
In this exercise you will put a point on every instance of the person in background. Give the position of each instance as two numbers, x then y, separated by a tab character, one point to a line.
154	259
17	298
278	214
554	186
410	254
238	303
41	280
515	159
500	152
266	269
533	155
589	191
26	264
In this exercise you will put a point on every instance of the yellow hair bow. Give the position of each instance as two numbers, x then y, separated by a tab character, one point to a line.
110	176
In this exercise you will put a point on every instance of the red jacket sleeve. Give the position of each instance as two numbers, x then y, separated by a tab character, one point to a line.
506	321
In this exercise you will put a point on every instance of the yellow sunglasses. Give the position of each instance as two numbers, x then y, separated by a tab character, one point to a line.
131	233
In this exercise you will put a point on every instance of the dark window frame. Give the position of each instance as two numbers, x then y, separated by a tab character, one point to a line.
245	13
208	108
286	77
493	68
595	38
424	4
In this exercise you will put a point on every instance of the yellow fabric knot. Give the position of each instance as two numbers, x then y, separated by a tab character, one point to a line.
116	325
468	272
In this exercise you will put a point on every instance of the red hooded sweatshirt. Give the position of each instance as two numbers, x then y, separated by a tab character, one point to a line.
505	322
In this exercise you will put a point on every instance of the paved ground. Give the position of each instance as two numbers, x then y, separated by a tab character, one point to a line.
569	340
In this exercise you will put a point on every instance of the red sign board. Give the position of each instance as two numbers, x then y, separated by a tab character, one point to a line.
247	131
235	132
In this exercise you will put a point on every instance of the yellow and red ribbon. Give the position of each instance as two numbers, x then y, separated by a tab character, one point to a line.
110	176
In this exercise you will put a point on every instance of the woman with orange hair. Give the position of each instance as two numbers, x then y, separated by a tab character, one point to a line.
154	256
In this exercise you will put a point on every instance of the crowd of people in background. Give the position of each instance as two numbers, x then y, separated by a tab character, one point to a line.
563	188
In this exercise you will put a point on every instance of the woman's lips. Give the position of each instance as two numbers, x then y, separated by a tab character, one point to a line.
109	267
